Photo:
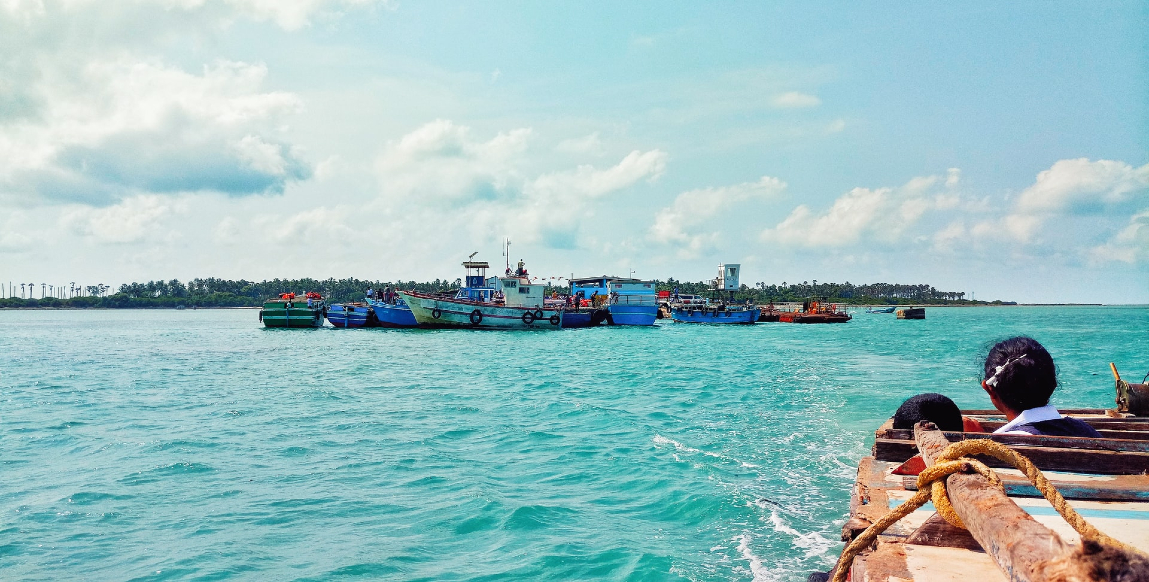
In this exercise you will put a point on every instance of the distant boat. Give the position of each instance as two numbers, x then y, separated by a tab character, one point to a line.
815	310
715	314
289	311
396	314
889	309
353	314
912	313
510	302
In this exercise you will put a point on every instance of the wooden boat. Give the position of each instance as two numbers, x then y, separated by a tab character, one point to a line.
353	314
912	313
510	302
290	311
715	314
815	310
1014	534
396	314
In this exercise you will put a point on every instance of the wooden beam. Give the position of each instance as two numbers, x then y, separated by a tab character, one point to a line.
1025	550
1100	462
1064	442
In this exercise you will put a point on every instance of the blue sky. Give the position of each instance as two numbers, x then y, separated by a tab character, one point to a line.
997	150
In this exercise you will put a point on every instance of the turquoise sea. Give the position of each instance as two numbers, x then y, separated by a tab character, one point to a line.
197	445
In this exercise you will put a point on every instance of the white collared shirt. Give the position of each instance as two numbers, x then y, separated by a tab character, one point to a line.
1039	414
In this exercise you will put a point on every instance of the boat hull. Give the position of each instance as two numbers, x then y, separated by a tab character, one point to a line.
350	316
729	316
433	311
393	315
800	317
624	314
291	314
589	318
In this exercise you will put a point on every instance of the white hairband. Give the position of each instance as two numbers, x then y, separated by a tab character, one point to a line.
993	379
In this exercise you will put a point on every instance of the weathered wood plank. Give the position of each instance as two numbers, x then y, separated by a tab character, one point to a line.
1046	458
1119	488
1106	444
1024	549
938	532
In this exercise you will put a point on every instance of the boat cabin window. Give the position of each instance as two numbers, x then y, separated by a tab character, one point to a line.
524	290
510	284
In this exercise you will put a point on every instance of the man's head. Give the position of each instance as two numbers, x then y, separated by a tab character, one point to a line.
935	408
1020	373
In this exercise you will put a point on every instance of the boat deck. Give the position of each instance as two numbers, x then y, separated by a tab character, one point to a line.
1104	479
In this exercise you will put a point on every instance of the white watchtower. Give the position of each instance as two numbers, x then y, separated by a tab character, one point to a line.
728	277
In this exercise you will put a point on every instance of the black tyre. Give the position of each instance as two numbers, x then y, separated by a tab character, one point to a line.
476	317
437	313
528	317
555	319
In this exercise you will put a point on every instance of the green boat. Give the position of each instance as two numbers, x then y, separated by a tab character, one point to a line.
288	311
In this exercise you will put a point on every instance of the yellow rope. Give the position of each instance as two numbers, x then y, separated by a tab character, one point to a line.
932	483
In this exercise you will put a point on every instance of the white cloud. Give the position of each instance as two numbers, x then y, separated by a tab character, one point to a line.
795	99
1130	245
1077	186
862	214
588	144
134	219
120	127
677	224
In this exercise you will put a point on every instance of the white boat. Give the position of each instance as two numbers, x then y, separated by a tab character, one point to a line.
510	302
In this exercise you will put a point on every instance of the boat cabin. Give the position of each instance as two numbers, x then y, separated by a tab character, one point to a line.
625	290
520	292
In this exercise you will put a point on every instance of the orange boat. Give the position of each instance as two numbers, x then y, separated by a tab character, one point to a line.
815	310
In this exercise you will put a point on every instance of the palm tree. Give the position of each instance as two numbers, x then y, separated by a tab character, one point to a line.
21	290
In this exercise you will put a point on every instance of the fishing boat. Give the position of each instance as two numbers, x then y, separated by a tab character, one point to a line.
352	314
1011	531
889	309
290	311
585	317
510	302
629	301
392	314
815	310
718	313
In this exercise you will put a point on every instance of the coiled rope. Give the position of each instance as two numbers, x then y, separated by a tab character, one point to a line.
932	484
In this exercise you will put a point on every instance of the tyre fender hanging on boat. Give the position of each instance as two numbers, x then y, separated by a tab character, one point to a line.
528	317
476	317
555	319
538	314
437	313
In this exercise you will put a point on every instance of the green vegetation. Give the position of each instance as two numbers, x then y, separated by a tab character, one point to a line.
847	293
226	293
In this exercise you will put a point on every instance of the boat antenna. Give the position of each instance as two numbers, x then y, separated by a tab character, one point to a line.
507	251
472	255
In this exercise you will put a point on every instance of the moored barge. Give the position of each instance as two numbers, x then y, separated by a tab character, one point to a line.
290	311
815	310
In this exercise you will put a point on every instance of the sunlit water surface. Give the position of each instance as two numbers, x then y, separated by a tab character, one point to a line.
196	445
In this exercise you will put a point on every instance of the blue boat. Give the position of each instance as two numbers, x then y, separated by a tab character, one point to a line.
395	314
350	315
889	309
714	314
629	301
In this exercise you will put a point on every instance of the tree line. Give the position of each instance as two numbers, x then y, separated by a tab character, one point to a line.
213	292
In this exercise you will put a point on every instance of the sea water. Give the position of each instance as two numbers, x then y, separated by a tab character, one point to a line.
197	445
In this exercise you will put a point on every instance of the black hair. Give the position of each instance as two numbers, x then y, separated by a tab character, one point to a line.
1021	372
935	408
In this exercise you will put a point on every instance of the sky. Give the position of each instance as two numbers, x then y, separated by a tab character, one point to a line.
997	149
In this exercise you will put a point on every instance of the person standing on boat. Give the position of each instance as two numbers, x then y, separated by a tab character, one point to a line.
370	293
1020	377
